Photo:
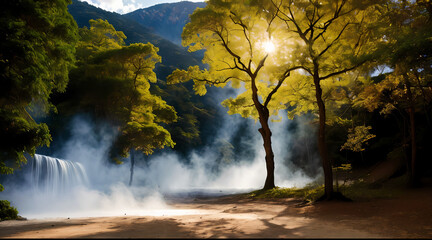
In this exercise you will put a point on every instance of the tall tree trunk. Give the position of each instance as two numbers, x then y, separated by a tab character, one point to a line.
413	175
322	147
411	112
132	157
264	114
269	158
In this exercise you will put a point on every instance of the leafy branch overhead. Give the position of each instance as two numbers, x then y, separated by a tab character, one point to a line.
357	137
38	40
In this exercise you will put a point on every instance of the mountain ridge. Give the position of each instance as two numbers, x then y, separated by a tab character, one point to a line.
166	19
173	55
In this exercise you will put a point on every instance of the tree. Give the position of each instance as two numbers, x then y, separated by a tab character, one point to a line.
88	91
333	39
101	36
141	129
112	81
37	52
406	87
241	51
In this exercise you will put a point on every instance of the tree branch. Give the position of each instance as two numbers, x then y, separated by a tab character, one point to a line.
281	80
225	45
341	71
215	82
334	40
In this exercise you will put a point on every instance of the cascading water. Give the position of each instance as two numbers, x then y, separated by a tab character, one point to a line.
49	187
56	176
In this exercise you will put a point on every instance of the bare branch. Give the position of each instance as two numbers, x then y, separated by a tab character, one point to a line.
260	65
215	82
269	97
274	17
225	44
336	15
284	76
334	40
286	18
245	33
341	71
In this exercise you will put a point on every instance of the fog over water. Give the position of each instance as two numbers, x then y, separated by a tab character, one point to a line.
216	169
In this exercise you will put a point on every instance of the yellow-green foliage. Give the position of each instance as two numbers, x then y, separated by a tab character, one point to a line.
309	39
357	137
233	34
101	36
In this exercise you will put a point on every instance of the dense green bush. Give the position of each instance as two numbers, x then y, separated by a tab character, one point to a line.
7	212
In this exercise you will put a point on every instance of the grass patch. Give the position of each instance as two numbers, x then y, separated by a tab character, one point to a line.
356	191
309	193
361	190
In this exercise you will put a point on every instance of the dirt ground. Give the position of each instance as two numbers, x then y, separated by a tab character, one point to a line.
234	216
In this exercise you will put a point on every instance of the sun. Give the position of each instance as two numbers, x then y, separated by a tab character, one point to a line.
269	47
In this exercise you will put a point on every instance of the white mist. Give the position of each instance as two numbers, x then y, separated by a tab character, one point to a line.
105	192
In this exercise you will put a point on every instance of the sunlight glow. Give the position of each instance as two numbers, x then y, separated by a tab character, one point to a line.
269	47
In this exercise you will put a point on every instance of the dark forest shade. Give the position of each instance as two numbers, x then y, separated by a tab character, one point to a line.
36	53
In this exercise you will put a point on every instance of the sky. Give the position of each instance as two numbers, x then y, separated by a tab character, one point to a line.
126	6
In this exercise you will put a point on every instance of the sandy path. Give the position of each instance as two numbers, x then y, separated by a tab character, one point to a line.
233	217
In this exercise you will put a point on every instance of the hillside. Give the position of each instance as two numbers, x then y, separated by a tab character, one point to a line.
166	20
198	115
173	56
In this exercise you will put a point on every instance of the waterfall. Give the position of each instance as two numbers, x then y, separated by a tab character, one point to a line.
55	176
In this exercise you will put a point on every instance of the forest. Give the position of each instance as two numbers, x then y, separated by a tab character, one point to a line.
356	74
